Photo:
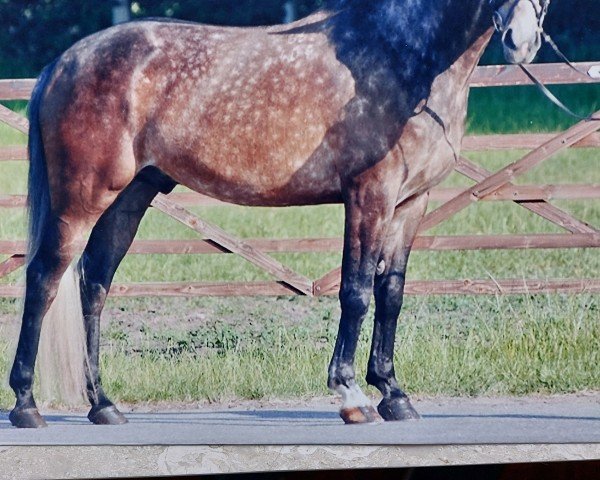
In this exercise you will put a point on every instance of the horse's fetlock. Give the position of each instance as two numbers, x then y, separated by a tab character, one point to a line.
342	374
333	383
20	378
96	395
377	375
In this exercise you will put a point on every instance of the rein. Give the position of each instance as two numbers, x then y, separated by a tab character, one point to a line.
547	93
541	14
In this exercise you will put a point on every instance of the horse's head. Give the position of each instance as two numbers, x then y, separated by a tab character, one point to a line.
520	22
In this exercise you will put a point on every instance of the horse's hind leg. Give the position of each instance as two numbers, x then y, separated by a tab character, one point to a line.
108	244
44	272
389	290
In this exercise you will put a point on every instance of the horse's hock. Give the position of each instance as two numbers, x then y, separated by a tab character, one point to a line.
489	186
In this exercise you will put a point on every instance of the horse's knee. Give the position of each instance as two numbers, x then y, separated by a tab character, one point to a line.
355	297
390	285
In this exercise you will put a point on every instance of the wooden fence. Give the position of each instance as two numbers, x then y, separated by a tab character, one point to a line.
489	186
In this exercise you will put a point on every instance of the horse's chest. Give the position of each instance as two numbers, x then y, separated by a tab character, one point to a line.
431	141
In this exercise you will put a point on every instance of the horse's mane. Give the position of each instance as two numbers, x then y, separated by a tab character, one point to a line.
425	35
409	26
411	23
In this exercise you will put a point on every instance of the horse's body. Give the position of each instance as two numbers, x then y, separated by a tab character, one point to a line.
250	116
362	104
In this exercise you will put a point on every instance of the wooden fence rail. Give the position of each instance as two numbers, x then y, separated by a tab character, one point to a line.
489	186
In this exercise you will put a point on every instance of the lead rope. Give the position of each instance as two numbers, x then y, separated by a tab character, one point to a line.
547	92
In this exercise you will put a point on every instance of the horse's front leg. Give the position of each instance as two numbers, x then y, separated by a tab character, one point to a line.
367	216
389	290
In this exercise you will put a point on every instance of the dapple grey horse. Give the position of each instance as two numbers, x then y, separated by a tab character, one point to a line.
362	103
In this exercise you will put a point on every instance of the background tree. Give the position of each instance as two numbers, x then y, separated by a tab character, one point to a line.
34	32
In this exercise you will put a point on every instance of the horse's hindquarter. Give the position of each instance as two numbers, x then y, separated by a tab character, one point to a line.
85	120
243	114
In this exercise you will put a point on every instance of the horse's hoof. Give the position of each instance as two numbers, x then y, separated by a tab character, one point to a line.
397	409
356	415
27	418
106	416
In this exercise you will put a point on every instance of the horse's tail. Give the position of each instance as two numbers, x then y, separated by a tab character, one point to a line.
38	187
62	357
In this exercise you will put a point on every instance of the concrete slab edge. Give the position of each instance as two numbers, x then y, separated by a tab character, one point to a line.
102	462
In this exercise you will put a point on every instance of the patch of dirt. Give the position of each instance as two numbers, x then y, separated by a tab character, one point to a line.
130	316
192	313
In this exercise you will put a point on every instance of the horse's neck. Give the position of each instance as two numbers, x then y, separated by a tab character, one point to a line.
427	35
464	33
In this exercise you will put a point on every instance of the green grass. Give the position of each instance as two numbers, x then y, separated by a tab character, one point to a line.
518	109
280	347
445	346
456	350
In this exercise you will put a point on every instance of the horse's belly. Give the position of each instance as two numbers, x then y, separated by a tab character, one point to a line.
259	170
295	175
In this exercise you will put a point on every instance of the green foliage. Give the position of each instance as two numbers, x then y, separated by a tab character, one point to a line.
526	109
223	12
37	31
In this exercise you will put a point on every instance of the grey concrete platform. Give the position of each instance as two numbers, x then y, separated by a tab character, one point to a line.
26	463
445	422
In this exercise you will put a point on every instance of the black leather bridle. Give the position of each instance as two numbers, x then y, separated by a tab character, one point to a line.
539	6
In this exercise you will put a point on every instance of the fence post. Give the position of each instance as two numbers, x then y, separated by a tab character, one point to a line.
121	11
290	12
